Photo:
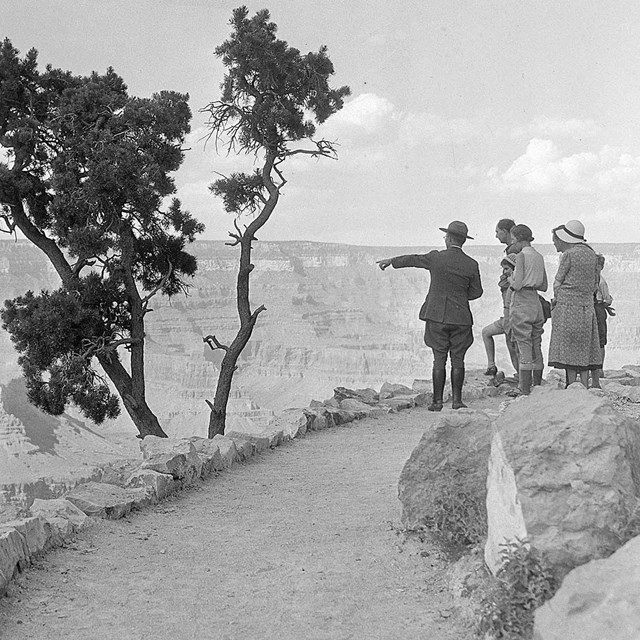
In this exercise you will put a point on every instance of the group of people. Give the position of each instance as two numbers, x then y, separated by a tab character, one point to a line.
579	308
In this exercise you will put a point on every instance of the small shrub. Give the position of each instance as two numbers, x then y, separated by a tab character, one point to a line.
458	516
522	585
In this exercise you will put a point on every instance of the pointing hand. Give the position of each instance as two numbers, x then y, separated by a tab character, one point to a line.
383	264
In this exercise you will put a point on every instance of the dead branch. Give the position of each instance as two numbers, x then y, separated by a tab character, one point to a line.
218	345
257	312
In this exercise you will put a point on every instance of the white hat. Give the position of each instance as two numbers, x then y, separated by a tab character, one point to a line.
572	232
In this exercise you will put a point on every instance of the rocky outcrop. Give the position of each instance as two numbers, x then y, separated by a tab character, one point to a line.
563	474
599	600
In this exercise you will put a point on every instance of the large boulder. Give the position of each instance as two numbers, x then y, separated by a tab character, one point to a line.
564	473
599	600
451	458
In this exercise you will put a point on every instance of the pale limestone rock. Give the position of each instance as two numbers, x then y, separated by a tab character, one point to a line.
390	390
227	449
108	500
456	448
368	396
360	409
245	448
13	556
293	422
561	474
33	531
268	438
320	417
161	485
62	518
599	600
340	416
421	385
119	471
209	452
629	392
399	403
176	457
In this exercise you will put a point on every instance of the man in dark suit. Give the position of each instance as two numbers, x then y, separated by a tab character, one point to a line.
455	279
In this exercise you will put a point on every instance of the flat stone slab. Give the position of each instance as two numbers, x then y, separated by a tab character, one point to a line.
107	500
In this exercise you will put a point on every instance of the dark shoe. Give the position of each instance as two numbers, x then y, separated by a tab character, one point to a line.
457	380
435	406
491	371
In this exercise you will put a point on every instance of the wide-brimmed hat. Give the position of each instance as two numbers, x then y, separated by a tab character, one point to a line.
572	232
457	228
510	259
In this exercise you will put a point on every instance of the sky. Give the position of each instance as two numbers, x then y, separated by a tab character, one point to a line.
467	110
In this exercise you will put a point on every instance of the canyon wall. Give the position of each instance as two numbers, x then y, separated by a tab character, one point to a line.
333	318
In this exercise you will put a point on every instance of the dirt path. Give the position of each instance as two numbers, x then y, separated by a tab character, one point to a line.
298	544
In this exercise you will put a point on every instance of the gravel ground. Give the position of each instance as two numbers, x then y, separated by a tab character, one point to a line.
302	542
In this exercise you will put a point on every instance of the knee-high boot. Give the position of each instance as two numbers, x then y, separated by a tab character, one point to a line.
457	380
537	377
526	376
438	379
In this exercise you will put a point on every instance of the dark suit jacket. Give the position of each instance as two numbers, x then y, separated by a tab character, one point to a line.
455	279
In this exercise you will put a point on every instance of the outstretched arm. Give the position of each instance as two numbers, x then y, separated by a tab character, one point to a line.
421	261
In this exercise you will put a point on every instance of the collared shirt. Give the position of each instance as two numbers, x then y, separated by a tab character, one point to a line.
529	272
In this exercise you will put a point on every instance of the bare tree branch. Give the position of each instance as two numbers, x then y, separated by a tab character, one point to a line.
218	345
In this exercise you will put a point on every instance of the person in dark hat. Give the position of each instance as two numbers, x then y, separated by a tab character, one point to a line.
455	279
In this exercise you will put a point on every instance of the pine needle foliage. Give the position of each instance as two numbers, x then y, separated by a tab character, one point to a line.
87	177
272	99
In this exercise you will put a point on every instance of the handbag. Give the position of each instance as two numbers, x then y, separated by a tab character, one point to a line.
546	307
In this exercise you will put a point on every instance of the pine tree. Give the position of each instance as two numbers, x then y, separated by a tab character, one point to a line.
85	179
272	98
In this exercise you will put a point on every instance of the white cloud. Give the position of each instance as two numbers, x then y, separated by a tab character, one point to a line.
420	128
543	127
366	113
543	169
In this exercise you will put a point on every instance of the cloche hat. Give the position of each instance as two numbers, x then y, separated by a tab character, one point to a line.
572	232
457	228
